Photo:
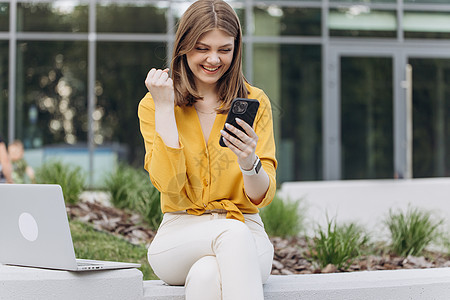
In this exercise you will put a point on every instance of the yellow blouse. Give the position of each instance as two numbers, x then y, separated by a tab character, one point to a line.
199	176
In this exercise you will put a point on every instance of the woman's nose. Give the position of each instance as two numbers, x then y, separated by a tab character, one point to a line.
213	58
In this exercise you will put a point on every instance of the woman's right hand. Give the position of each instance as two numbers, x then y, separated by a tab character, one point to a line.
160	85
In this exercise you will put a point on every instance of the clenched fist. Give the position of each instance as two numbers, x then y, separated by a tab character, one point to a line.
160	85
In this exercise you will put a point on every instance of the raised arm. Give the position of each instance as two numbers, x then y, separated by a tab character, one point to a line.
160	86
5	163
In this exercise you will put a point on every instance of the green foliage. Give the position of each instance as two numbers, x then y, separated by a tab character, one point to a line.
444	242
337	245
131	189
92	244
69	177
412	232
282	218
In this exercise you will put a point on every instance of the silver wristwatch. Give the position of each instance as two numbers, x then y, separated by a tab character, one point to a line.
254	170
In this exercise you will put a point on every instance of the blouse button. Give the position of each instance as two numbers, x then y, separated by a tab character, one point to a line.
205	182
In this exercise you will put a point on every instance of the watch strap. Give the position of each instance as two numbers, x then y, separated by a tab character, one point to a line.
254	170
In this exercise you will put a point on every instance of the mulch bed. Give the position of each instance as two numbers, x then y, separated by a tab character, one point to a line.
290	254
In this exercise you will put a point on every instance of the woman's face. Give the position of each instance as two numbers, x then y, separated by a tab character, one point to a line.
211	57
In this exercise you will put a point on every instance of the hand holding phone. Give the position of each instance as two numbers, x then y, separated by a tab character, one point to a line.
244	109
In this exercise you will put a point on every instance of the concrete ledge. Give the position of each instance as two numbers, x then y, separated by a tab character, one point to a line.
158	290
31	283
397	284
34	283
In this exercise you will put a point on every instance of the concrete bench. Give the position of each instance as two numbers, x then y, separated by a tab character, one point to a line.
420	284
33	283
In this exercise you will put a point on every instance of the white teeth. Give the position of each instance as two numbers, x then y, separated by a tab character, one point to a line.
211	69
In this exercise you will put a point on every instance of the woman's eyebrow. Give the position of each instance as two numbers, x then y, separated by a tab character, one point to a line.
206	45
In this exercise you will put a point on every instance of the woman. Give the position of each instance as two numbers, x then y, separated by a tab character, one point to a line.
5	164
211	238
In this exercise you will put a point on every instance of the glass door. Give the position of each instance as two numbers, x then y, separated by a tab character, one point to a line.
431	116
366	94
370	130
360	112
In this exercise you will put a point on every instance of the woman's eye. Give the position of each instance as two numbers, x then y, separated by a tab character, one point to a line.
201	49
225	50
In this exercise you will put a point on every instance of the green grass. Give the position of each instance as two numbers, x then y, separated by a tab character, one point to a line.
337	245
413	231
282	218
92	244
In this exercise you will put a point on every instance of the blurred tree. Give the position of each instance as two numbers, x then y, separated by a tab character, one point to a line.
52	76
4	59
121	71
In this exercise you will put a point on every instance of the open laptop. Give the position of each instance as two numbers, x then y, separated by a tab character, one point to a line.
34	230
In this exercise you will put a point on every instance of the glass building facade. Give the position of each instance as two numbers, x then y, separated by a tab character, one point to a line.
359	89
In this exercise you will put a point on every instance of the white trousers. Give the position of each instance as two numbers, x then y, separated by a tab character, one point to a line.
214	257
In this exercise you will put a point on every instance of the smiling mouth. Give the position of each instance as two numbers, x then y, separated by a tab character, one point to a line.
211	69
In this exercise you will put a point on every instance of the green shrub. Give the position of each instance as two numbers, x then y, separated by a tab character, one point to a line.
132	189
282	218
412	232
69	177
337	245
444	242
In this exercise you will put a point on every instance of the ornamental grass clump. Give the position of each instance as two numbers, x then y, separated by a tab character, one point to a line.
282	218
337	245
132	189
412	232
71	178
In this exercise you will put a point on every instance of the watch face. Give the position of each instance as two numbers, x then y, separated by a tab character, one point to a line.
258	166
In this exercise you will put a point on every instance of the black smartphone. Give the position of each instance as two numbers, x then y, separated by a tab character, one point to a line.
244	109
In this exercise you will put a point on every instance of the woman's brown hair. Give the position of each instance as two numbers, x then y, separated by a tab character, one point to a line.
201	17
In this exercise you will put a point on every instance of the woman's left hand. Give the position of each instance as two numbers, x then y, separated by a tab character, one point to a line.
244	146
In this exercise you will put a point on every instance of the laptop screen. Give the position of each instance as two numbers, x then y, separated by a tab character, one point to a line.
34	230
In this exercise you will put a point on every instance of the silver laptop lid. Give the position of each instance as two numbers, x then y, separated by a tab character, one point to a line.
34	230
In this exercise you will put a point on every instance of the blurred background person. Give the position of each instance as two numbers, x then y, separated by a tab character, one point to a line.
21	171
5	164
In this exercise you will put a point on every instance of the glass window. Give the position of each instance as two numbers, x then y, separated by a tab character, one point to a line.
140	17
256	1
361	21
365	1
241	15
366	118
434	25
276	20
427	1
4	16
291	77
119	88
431	117
4	59
55	16
51	102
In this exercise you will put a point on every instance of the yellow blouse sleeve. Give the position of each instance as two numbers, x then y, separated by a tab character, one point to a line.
165	165
265	148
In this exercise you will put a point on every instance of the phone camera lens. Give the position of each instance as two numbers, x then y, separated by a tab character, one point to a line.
240	107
